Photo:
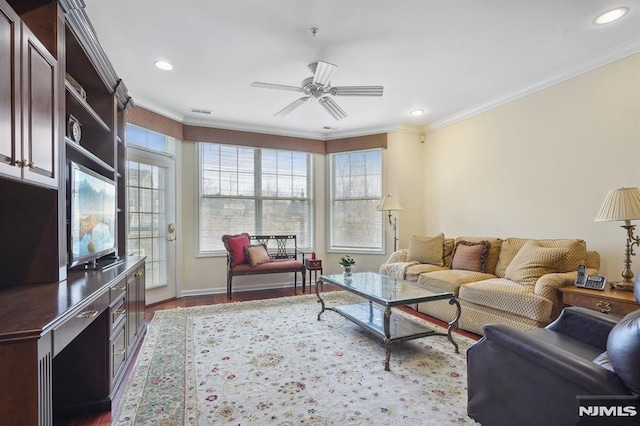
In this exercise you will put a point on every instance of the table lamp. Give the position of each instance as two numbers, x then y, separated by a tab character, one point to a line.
623	204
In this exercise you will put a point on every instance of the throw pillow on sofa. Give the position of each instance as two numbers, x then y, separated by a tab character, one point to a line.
470	256
533	261
257	254
426	250
235	246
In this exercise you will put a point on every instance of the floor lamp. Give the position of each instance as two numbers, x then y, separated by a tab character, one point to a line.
623	204
390	204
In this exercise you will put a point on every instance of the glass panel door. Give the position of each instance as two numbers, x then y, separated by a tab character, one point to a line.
151	216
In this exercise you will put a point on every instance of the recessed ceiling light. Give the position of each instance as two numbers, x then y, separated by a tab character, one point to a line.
417	112
611	15
163	65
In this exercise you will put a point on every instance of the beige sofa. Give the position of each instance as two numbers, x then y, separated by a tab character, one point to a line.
514	281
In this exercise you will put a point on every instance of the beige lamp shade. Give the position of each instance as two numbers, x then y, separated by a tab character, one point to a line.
620	204
390	204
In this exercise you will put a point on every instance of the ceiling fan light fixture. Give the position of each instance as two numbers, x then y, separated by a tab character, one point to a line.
417	112
611	15
163	65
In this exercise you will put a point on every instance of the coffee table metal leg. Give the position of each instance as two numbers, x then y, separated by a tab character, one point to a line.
387	338
318	286
454	323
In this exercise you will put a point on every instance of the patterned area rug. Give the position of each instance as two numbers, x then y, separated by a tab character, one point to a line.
272	362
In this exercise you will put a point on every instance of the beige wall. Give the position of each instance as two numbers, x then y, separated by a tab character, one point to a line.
542	165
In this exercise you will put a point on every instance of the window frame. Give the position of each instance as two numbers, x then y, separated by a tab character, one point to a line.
257	197
330	214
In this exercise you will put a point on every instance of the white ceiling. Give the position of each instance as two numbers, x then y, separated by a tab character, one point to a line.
451	58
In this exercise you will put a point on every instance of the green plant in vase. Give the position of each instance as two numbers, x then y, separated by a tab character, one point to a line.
347	263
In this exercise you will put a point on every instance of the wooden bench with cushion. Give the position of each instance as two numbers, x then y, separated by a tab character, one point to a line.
262	254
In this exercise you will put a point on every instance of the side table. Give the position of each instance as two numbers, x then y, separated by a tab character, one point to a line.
609	301
314	265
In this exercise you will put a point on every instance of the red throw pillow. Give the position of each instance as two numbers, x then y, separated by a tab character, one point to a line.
235	246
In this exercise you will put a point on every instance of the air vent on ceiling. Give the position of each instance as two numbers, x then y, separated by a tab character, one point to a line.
329	128
200	111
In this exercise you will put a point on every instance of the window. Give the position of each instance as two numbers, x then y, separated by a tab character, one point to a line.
253	190
150	140
356	190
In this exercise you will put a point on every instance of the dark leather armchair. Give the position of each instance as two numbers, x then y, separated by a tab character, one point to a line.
534	377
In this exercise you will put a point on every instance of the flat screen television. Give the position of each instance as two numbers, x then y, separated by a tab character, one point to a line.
92	215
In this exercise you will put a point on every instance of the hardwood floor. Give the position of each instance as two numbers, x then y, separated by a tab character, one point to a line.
105	418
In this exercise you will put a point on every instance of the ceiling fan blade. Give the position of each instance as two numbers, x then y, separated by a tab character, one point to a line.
293	105
323	72
357	90
275	86
332	108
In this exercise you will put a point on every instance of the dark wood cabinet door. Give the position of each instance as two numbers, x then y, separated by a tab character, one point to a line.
141	299
39	112
10	139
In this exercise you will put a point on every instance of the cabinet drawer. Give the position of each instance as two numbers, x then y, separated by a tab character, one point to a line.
601	304
72	327
117	290
118	310
118	350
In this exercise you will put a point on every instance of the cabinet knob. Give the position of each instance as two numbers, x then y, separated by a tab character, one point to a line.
22	163
118	288
31	164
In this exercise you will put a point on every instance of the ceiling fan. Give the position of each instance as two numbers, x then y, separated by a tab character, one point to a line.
319	87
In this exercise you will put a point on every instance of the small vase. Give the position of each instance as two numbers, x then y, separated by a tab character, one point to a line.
347	271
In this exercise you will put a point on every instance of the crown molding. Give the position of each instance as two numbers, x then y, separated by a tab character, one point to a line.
605	58
153	107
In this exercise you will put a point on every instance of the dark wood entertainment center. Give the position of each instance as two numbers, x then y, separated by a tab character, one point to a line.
66	335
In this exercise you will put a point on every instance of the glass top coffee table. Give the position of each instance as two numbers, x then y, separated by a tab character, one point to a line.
382	293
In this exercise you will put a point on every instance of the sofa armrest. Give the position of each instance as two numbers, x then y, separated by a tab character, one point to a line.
398	256
583	324
548	286
536	354
395	270
550	283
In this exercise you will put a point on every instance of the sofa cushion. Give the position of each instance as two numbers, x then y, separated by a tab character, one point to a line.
576	253
623	347
447	250
235	247
533	261
426	249
470	256
256	254
494	250
414	271
510	247
277	265
452	279
509	296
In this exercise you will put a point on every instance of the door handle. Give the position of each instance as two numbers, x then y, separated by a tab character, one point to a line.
171	228
171	238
